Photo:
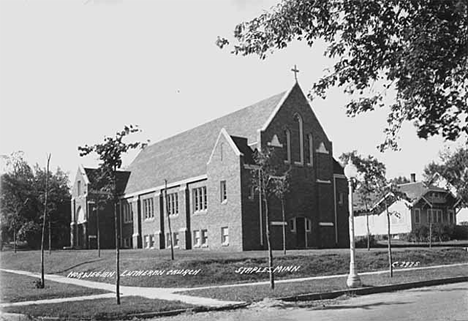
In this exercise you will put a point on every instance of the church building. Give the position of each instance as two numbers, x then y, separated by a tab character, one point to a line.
200	182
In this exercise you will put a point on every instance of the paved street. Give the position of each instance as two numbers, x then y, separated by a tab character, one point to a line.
446	302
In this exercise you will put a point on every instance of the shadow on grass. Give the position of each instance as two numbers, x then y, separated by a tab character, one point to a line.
76	265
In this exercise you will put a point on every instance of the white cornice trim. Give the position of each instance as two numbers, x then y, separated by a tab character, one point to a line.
231	143
323	181
326	224
169	185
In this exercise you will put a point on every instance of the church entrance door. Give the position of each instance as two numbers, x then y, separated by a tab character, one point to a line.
301	232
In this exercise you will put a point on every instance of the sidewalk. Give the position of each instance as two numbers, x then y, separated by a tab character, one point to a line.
150	293
213	304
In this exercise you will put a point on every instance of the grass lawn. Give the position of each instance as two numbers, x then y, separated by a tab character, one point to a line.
220	267
99	309
255	293
15	288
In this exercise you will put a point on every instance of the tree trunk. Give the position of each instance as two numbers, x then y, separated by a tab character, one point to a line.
168	220
368	231
50	238
98	230
390	263
117	253
284	225
46	194
430	234
270	251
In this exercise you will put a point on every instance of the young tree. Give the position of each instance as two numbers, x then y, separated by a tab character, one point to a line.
280	188
267	177
417	49
110	155
46	194
372	176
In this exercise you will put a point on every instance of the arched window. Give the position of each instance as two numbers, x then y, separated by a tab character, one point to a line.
221	151
287	145
298	118
81	215
310	146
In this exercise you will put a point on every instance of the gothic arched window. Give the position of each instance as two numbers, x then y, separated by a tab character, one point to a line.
287	145
298	118
310	154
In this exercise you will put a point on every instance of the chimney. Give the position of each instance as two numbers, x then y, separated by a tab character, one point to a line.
413	177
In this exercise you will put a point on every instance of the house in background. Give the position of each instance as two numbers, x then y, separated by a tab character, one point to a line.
201	180
434	202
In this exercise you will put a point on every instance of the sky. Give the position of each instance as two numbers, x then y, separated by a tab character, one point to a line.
72	72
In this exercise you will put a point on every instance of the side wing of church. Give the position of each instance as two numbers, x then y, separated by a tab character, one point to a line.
205	175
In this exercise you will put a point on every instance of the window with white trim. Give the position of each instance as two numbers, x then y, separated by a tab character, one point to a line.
204	237
200	201
308	225
225	236
196	238
223	191
298	118
172	206
417	215
148	208
146	238
151	241
292	225
175	239
78	187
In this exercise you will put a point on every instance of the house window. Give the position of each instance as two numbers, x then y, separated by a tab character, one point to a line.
148	208
146	241
200	202
78	187
451	216
417	216
292	225
310	154
168	240
434	216
127	212
175	239
196	238
204	237
225	236
287	145
308	225
439	216
298	118
172	205
128	242
223	190
151	241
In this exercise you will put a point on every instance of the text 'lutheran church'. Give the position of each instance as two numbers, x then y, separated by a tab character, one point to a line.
210	200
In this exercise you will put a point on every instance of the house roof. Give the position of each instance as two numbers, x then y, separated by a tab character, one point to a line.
185	155
415	191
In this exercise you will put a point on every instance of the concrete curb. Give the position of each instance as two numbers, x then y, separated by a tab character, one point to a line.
373	290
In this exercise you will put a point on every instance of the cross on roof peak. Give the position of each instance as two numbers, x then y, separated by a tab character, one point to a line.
295	71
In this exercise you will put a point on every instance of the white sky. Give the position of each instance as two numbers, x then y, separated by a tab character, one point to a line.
72	72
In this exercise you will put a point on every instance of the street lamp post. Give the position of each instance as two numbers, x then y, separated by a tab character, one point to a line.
353	280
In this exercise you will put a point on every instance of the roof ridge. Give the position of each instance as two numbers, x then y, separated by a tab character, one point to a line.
217	119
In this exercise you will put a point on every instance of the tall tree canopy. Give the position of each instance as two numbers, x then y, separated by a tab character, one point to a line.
453	166
418	49
22	202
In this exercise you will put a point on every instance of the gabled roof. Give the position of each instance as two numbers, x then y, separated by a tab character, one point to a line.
415	191
186	155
